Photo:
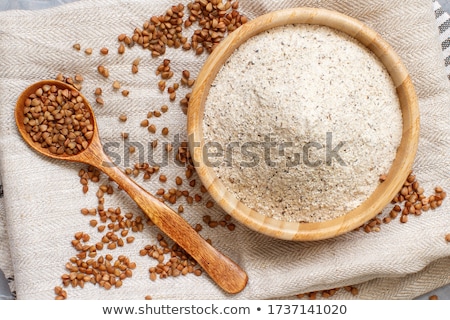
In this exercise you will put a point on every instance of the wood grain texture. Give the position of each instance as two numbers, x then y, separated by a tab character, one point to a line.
385	191
226	273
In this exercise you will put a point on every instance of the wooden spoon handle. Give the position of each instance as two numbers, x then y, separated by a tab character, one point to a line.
226	273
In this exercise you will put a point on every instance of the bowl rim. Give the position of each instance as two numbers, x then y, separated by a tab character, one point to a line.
383	194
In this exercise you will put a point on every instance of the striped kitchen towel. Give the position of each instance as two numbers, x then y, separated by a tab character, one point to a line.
443	22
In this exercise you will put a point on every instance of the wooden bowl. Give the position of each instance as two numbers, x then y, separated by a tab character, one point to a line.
382	195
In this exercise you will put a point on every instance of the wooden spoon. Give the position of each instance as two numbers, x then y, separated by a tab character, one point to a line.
226	273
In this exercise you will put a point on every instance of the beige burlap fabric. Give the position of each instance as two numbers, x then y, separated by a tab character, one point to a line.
43	198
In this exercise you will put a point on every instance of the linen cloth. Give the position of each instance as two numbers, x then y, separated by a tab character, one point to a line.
44	197
443	22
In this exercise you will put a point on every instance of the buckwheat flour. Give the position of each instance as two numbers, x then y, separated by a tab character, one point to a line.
302	120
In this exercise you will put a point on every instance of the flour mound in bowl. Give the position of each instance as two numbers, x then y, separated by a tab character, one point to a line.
300	123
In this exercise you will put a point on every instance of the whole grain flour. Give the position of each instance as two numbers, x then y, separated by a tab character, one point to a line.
308	120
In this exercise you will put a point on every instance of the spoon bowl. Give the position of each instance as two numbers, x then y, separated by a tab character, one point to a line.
19	116
226	273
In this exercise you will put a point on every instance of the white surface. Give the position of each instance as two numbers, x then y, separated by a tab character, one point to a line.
445	5
30	4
